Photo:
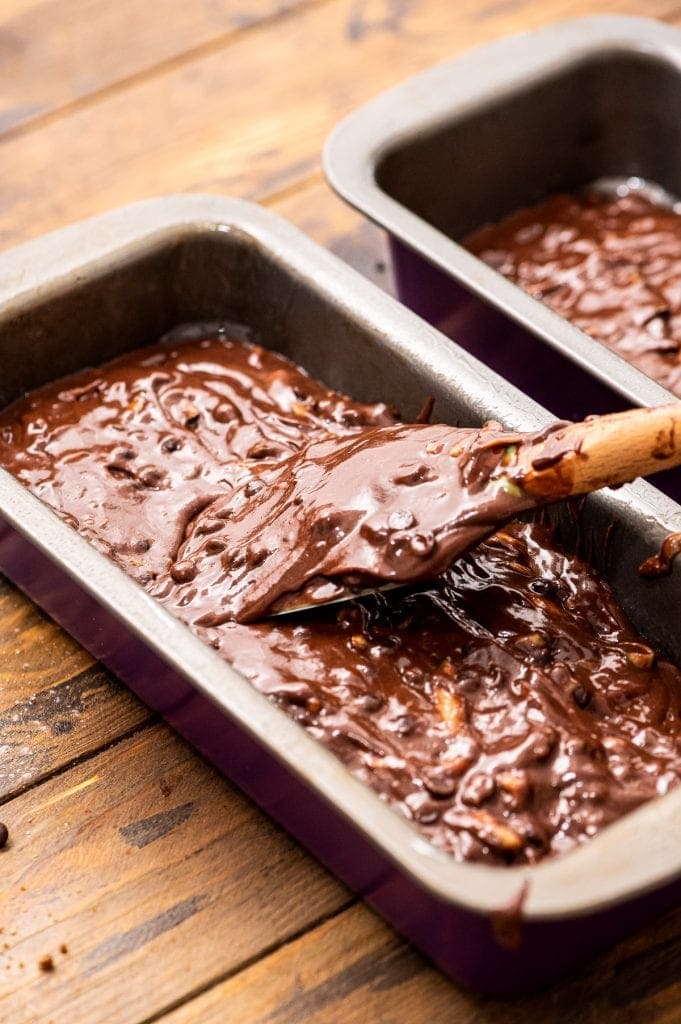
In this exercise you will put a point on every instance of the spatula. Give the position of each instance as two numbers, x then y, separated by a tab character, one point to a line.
393	505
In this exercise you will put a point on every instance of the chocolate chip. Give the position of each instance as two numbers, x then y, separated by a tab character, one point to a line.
46	964
4	835
581	697
150	476
223	413
256	555
264	450
376	532
211	524
553	589
119	472
411	478
371	702
299	693
183	571
253	487
234	559
171	444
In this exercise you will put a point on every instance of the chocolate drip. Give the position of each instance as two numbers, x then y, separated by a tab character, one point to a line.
661	563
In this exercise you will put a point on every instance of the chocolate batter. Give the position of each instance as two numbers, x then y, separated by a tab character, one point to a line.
661	563
507	707
394	503
610	265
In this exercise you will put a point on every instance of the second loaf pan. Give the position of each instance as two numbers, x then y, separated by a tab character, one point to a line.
497	129
88	293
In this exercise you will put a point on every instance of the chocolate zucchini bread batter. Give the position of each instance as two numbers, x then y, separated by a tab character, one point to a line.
609	264
507	707
389	503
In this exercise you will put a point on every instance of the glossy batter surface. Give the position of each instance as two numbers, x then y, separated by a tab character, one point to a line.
507	708
610	265
393	503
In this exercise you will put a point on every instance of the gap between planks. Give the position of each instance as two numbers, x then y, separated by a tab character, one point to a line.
354	968
149	859
88	755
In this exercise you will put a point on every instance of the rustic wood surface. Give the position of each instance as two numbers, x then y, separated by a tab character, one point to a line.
145	885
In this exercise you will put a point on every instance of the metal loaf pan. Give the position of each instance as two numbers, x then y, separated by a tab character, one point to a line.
501	127
83	295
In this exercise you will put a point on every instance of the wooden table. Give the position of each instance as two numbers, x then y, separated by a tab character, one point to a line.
157	890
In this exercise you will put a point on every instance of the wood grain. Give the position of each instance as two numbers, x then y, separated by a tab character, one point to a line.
56	703
54	53
157	877
353	969
251	120
606	451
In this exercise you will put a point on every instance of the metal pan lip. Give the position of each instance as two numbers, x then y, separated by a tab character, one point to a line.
639	853
448	91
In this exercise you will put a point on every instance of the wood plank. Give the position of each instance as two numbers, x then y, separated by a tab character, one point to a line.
354	969
156	876
251	120
56	703
56	52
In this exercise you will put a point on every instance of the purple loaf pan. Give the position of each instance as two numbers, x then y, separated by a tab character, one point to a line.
92	291
584	101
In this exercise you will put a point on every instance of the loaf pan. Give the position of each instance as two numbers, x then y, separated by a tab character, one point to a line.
86	294
497	129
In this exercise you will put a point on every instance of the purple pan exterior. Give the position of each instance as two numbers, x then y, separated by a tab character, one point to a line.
134	273
595	99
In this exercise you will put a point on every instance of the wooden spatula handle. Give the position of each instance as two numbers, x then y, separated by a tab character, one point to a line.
603	451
